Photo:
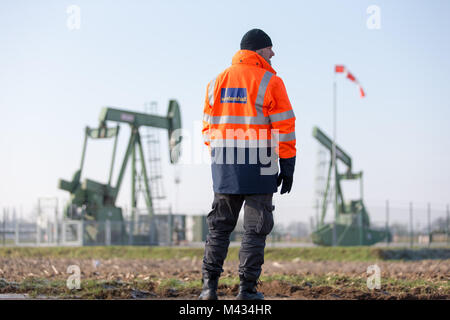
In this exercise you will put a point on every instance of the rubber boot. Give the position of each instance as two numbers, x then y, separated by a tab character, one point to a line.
209	290
247	291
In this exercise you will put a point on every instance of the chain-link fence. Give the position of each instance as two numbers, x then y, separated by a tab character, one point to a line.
409	225
160	230
413	225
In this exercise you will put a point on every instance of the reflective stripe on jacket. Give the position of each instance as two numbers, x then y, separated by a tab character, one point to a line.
247	118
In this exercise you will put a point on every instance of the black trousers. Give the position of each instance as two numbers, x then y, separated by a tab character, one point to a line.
258	222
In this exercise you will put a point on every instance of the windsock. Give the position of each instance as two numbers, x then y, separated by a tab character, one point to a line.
349	75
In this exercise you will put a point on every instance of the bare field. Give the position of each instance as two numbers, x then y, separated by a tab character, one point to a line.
155	278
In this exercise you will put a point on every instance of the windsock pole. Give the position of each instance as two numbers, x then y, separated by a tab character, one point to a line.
333	162
351	77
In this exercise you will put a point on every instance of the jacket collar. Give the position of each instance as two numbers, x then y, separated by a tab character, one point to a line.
251	58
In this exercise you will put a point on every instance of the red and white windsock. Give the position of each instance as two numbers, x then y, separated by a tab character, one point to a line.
349	75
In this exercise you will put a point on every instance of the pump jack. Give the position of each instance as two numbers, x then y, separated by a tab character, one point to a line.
95	201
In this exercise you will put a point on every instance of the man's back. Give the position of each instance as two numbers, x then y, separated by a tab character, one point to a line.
240	107
248	122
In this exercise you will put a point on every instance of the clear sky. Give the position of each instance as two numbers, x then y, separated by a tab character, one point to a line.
54	81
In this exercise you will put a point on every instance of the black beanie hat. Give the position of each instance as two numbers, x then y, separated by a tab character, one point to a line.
255	39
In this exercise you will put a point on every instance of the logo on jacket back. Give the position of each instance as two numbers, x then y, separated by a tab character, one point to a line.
233	95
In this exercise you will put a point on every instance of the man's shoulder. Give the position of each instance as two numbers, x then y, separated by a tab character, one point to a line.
276	80
218	76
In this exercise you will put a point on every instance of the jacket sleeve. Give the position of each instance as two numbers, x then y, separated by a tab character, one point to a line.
282	117
207	111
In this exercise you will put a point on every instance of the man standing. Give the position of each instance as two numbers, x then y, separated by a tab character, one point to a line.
248	124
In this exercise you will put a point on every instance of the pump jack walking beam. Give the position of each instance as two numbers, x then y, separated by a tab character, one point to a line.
93	197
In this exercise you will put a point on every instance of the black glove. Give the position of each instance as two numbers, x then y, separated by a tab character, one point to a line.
286	174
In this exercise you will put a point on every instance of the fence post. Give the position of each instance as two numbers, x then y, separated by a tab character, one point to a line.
334	233
49	233
429	224
108	232
16	231
130	233
317	213
57	232
63	232
4	226
170	227
387	223
411	233
38	235
360	227
448	218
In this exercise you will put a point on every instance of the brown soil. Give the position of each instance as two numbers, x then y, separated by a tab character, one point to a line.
123	272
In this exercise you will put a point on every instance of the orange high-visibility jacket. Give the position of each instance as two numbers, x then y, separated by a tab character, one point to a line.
247	106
